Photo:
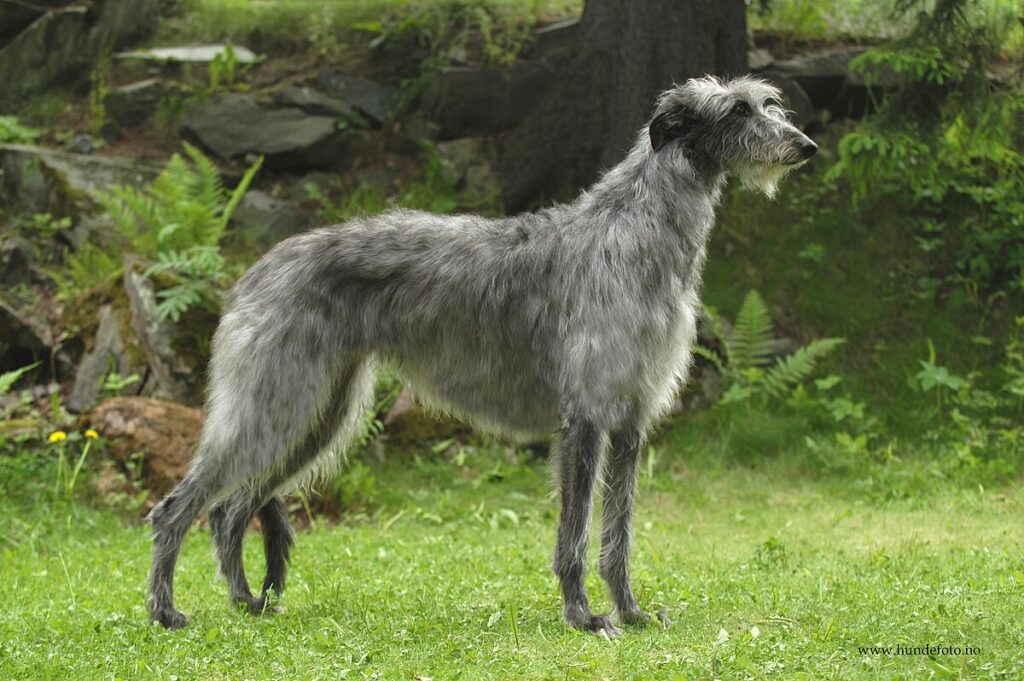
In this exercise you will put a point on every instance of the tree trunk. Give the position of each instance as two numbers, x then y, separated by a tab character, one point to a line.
628	51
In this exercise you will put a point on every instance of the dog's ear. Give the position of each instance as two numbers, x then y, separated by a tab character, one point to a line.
670	125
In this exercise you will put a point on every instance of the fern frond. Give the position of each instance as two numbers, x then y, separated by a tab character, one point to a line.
752	334
9	378
238	193
711	356
797	366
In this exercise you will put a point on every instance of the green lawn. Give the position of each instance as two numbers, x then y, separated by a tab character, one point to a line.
766	574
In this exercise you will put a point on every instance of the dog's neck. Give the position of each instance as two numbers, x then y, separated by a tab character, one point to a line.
663	188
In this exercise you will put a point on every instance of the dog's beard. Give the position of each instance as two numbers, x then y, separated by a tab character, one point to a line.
765	177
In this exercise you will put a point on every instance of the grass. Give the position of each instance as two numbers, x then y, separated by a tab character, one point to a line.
766	574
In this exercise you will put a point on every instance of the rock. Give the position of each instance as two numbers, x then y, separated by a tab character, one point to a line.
22	340
234	125
473	160
164	432
169	374
15	254
468	102
38	180
314	102
554	40
759	59
15	17
377	101
417	127
264	220
821	75
130	105
408	424
108	352
63	41
796	100
192	54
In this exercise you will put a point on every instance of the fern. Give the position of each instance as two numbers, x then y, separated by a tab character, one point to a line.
792	369
177	220
8	379
747	351
752	334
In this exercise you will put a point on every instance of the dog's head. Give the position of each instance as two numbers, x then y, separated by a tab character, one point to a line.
735	126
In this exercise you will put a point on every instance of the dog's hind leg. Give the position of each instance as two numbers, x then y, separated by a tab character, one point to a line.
172	518
228	522
278	538
229	519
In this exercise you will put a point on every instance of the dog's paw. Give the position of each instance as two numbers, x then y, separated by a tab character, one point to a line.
601	625
635	618
258	606
169	618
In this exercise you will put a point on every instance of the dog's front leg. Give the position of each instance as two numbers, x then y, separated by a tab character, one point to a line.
620	470
579	457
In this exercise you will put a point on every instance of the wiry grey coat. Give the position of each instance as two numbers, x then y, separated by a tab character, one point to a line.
577	318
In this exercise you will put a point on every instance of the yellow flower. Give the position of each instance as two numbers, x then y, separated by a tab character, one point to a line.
91	434
58	436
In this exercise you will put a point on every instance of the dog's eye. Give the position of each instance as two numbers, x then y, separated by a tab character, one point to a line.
741	109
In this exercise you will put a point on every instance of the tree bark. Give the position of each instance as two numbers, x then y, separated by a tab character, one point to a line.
628	51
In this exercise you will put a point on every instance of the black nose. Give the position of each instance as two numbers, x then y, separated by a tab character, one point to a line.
806	147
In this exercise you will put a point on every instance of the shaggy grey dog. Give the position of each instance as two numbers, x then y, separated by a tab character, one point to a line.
577	318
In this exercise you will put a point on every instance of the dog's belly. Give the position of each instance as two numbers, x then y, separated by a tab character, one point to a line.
492	394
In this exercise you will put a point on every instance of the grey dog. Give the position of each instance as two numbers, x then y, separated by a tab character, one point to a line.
577	318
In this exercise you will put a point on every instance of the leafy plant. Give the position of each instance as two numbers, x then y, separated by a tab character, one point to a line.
177	220
9	378
98	93
946	147
114	383
12	131
747	362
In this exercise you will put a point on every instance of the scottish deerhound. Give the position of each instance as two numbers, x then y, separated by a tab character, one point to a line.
578	318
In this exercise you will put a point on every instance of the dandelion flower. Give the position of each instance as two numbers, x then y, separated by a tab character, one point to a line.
91	434
58	436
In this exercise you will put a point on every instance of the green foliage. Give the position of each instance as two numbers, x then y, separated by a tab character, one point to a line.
747	363
946	148
9	378
12	131
177	221
97	94
434	190
223	72
44	225
114	383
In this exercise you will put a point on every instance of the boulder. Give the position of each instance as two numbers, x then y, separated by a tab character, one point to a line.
794	97
312	101
60	40
170	376
379	102
202	54
554	40
473	160
130	105
108	352
164	432
15	254
263	220
23	340
468	102
408	424
235	125
821	75
38	180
